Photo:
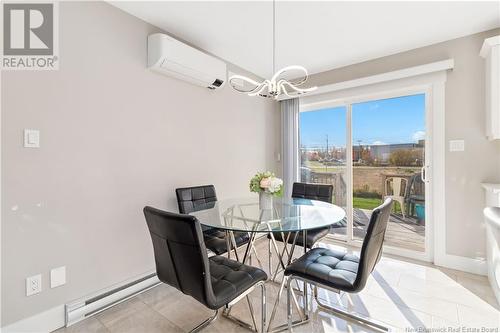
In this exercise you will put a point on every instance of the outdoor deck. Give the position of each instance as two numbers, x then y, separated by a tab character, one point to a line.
402	233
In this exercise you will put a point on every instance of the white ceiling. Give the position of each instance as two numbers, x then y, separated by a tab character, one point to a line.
317	35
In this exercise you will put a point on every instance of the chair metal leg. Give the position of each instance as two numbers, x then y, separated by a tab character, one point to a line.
239	322
357	318
369	322
289	305
205	323
252	315
254	327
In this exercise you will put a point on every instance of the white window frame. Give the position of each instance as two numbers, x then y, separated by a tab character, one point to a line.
432	84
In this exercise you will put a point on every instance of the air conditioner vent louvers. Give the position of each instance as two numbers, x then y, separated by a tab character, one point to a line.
176	59
217	83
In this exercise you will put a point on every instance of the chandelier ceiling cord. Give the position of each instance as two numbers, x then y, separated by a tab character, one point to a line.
278	84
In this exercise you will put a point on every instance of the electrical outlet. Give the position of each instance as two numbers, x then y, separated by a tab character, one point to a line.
33	285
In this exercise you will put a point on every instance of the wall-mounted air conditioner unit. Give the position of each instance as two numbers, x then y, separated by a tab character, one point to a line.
168	56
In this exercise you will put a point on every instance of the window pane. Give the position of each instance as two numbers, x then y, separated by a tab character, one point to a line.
388	153
322	137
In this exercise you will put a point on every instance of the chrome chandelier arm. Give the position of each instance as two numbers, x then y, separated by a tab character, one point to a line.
246	79
266	84
301	79
275	87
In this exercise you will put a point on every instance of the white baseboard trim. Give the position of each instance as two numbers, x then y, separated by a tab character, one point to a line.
43	322
470	265
55	318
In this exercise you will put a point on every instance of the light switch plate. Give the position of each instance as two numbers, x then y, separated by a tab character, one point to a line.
457	145
33	285
57	276
31	138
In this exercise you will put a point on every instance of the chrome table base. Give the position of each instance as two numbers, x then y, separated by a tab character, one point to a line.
249	253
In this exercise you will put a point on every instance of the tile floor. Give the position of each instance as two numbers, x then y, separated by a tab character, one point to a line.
401	293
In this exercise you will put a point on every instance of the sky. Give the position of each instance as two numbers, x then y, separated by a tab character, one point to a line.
394	120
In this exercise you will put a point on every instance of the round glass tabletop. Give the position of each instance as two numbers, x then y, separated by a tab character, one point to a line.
286	214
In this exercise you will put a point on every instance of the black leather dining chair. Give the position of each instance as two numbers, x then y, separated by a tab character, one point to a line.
320	192
339	271
182	262
192	199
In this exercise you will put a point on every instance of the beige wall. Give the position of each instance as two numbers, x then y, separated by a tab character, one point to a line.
465	119
114	138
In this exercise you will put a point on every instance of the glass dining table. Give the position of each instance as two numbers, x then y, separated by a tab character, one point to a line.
287	216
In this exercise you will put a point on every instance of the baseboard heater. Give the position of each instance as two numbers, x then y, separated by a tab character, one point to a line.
93	304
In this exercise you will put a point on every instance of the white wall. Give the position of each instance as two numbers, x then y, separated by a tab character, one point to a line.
114	138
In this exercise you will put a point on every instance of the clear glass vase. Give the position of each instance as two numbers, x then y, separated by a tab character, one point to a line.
265	200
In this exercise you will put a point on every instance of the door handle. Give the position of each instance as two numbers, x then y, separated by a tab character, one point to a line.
423	173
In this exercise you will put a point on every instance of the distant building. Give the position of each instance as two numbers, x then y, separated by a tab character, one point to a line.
382	153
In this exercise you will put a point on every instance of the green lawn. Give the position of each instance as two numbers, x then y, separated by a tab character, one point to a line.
371	203
319	167
366	203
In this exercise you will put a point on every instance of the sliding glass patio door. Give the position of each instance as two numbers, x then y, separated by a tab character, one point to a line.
370	149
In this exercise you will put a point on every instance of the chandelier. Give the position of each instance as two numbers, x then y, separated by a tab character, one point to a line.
279	84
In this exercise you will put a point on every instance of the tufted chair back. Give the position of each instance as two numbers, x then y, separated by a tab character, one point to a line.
193	199
371	251
180	254
322	192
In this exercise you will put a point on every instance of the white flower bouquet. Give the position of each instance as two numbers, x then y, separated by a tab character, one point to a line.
268	183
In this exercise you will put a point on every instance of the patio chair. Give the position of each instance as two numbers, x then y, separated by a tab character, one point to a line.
399	190
415	194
